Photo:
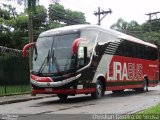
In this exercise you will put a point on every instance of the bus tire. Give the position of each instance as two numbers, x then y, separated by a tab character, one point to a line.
62	97
99	90
145	85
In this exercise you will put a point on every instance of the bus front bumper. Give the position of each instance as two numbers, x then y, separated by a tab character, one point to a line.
54	84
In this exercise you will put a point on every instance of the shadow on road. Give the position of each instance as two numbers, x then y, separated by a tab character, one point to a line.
124	94
70	100
83	98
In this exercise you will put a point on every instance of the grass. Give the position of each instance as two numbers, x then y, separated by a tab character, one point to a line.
14	89
152	113
152	110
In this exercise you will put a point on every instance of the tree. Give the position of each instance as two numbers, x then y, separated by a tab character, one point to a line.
74	17
14	27
146	27
52	24
134	29
4	14
31	4
21	23
148	31
11	10
58	13
131	28
5	26
121	25
39	17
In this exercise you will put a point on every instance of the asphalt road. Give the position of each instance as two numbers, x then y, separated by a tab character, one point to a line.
82	105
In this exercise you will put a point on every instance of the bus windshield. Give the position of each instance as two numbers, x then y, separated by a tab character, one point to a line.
53	54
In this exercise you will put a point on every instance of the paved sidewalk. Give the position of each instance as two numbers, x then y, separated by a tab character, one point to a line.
21	98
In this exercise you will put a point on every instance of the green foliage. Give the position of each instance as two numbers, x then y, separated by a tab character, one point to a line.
39	17
11	10
152	37
21	22
52	24
151	113
146	27
31	5
58	13
14	77
14	89
8	64
152	110
14	27
4	14
74	17
121	25
148	31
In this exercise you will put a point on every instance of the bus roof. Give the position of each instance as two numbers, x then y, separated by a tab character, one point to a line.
75	28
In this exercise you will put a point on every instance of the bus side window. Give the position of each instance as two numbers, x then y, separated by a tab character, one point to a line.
128	49
120	50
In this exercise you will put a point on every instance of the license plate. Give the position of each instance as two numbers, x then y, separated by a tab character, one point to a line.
48	89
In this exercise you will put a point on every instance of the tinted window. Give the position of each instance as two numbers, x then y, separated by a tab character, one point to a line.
136	50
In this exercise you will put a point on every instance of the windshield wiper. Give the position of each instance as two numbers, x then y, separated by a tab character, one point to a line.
44	62
54	61
49	60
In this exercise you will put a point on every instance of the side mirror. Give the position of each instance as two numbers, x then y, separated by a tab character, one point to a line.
75	44
36	53
26	47
79	51
82	55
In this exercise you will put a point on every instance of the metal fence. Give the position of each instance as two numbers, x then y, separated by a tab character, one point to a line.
14	72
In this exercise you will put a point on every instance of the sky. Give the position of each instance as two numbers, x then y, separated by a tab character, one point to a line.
13	3
125	9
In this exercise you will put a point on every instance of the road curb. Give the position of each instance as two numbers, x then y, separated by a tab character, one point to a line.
24	99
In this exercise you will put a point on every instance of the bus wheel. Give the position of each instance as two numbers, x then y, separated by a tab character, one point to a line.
99	90
62	97
145	85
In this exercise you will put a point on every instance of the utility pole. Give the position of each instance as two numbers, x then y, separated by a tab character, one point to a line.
101	12
30	35
151	15
30	7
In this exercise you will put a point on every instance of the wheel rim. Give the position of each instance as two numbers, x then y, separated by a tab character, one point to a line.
99	90
145	86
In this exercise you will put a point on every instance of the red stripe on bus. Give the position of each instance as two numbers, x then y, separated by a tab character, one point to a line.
123	87
41	79
114	81
152	85
65	91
